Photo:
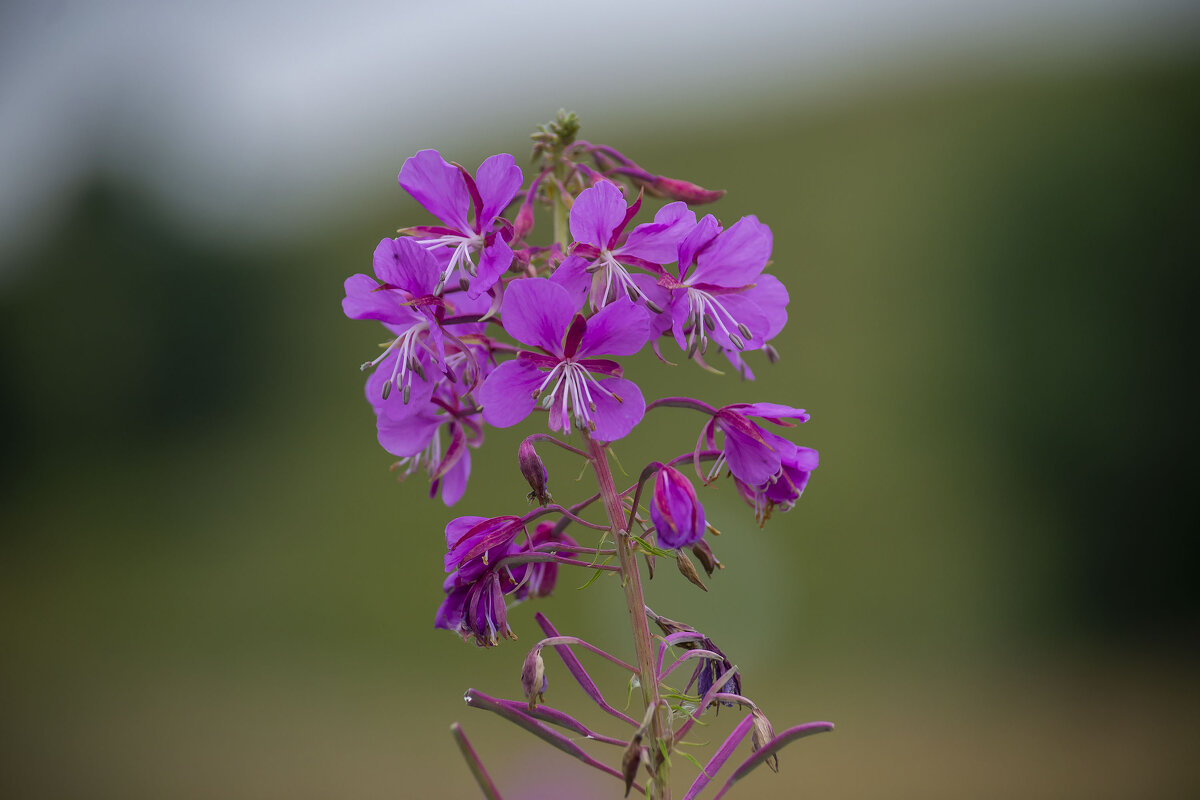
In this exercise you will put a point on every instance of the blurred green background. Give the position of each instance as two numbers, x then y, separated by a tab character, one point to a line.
213	586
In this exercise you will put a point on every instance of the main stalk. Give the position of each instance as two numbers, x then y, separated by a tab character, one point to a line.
635	602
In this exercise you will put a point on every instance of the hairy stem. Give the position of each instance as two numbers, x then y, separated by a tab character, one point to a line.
660	730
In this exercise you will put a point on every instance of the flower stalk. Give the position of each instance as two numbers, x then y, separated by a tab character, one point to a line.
660	739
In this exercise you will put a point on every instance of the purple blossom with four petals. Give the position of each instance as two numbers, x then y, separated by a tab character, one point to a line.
719	290
598	266
540	314
450	193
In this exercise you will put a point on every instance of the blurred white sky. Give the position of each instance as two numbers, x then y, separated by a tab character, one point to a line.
258	116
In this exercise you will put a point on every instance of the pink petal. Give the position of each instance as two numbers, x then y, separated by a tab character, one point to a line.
596	214
437	186
737	257
498	180
507	394
621	328
614	420
537	312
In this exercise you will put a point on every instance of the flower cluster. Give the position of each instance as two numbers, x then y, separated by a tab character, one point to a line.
485	325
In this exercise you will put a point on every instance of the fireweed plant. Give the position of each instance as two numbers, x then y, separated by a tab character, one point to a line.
487	327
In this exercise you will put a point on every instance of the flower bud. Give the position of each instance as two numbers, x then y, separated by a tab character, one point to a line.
761	736
677	515
631	759
535	472
708	559
683	190
688	569
523	222
533	677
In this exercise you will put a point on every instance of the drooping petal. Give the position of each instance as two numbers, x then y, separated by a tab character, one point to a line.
615	419
752	461
658	241
493	262
459	527
406	265
438	186
735	258
537	312
498	179
596	213
773	412
507	394
621	328
454	483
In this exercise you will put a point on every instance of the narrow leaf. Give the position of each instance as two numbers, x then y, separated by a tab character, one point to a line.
547	734
720	757
771	748
579	673
476	766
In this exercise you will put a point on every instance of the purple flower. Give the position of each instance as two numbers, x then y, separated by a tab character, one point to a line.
474	604
677	515
415	431
540	314
403	300
784	489
720	291
450	193
598	266
754	455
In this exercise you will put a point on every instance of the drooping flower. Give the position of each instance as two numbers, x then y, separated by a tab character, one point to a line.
479	537
540	314
677	515
785	488
598	266
474	604
754	455
450	194
720	291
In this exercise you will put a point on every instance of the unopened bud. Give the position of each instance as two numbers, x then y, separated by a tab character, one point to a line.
683	190
631	759
523	223
761	736
688	569
535	472
708	559
533	677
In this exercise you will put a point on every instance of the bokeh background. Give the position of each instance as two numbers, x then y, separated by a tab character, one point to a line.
212	586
